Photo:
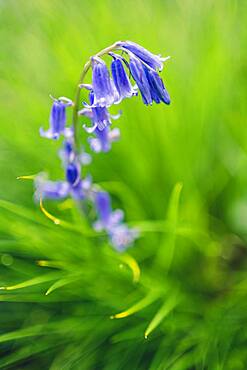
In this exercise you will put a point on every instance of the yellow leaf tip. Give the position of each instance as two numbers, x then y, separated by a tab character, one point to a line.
55	220
133	265
41	263
121	315
26	177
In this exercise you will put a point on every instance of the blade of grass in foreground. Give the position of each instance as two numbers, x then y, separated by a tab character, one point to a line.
150	298
165	309
166	251
60	283
35	281
133	265
32	216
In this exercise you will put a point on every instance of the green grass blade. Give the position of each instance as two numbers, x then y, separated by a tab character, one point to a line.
162	313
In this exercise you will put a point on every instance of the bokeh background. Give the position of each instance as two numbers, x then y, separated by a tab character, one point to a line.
179	172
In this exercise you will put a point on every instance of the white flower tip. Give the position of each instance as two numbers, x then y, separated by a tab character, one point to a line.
89	130
85	86
166	58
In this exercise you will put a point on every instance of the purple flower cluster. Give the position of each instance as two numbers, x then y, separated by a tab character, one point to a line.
112	222
108	87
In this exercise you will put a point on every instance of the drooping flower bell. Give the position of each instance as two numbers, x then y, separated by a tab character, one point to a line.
120	235
100	121
107	218
58	120
121	79
152	60
47	189
103	140
100	116
105	93
149	82
78	188
157	88
139	75
123	237
74	186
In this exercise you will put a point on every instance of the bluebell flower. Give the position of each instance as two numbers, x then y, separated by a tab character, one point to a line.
120	235
103	140
149	82
139	75
152	60
121	79
107	218
47	189
100	116
105	93
75	187
58	120
157	88
68	154
73	173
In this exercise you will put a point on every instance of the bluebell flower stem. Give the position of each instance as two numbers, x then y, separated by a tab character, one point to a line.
76	104
86	68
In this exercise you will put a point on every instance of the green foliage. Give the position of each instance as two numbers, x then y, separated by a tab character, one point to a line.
179	172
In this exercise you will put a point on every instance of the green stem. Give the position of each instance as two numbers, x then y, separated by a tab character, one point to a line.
78	92
76	104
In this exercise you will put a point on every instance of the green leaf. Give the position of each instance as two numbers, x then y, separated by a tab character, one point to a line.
166	251
150	298
165	309
60	283
35	281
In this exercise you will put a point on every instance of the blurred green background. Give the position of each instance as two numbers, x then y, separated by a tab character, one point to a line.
191	295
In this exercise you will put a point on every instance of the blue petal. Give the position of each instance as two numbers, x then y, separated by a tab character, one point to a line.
77	191
116	218
73	173
154	61
68	148
157	88
122	237
101	143
57	119
103	206
103	88
121	79
67	153
104	139
138	74
49	134
100	116
50	189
